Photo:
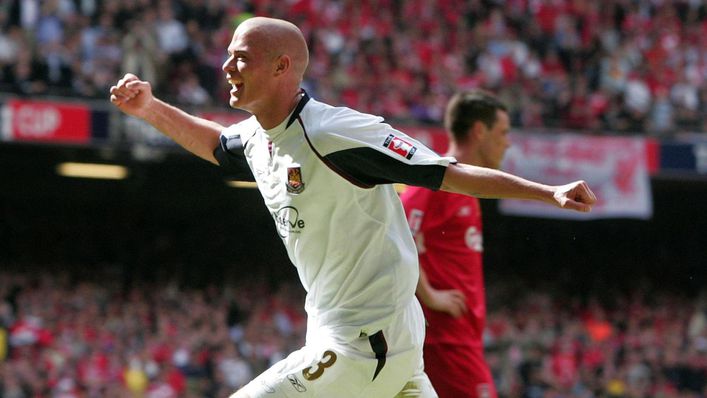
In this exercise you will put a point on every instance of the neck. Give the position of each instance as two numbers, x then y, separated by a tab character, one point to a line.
464	153
278	111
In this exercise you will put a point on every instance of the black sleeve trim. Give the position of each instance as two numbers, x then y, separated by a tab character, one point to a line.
350	178
231	158
370	167
366	168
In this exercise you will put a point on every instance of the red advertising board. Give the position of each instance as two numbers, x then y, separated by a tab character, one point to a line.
44	121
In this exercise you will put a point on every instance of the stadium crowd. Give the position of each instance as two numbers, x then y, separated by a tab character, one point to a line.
69	337
608	66
597	66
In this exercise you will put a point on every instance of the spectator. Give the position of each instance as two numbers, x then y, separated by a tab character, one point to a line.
25	76
190	92
171	33
139	48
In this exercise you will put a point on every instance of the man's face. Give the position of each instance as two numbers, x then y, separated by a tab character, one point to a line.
495	141
247	70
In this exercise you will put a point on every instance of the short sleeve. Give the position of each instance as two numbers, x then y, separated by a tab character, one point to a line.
369	152
230	153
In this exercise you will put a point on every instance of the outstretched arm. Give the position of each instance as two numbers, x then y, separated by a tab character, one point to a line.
490	183
134	97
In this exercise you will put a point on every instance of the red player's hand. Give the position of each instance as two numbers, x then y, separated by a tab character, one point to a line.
451	302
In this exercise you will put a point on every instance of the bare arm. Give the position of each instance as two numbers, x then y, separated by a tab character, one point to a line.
452	302
197	135
489	183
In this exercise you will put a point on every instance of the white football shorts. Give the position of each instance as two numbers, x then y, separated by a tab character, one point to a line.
387	364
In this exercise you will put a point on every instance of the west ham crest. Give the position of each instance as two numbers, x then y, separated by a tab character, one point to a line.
295	184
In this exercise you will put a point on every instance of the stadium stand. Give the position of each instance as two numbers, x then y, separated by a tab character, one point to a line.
74	338
89	315
615	65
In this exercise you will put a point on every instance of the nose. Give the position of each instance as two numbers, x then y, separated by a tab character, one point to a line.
227	64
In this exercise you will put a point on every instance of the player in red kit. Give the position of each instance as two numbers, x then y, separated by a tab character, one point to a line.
447	229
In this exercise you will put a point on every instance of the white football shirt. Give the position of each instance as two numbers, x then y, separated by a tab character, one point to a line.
325	174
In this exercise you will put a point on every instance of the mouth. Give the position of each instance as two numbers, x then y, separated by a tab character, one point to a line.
235	87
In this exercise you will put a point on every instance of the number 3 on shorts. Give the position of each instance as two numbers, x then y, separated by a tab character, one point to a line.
328	359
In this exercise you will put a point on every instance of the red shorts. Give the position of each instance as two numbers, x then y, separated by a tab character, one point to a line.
458	371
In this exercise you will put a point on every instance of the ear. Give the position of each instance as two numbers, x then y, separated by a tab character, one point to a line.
282	64
477	130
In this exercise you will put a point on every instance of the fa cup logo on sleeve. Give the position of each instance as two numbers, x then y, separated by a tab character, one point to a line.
295	185
400	146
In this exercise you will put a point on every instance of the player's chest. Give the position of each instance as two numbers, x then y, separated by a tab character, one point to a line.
455	221
283	170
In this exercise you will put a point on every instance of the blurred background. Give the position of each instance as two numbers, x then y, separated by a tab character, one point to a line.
129	268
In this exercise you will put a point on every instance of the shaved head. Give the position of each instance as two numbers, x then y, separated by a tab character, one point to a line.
266	62
278	37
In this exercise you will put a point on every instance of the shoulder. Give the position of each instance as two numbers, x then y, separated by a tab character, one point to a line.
242	130
326	125
320	116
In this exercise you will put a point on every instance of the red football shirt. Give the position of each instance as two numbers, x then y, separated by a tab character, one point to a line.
447	229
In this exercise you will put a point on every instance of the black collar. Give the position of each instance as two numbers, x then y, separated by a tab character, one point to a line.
302	102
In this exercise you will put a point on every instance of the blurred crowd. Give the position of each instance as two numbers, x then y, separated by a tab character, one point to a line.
63	336
612	66
639	344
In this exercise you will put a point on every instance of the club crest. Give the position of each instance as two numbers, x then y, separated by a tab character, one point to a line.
295	184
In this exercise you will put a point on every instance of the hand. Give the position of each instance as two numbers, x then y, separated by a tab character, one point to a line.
452	302
131	95
575	196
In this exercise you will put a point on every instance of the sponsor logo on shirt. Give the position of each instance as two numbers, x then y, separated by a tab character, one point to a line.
295	185
400	146
287	221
